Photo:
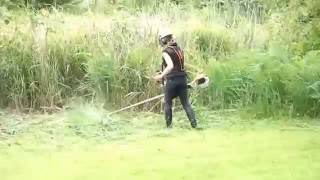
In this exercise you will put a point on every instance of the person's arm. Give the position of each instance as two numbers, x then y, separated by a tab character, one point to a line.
168	68
169	63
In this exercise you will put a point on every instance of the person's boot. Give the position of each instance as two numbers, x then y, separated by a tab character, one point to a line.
193	123
169	123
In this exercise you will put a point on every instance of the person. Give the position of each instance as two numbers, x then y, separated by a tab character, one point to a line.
175	77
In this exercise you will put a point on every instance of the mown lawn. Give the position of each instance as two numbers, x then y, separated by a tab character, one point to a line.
140	148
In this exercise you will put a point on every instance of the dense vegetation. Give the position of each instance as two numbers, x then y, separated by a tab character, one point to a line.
262	56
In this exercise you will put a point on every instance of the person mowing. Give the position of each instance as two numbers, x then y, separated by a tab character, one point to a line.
175	78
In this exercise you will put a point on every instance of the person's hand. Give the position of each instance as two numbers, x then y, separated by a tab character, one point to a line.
158	77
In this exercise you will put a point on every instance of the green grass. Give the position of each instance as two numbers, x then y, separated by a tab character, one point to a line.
73	145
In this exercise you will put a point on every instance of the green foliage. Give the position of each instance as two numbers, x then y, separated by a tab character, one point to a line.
102	72
36	3
53	2
12	3
140	4
266	84
137	68
211	42
40	3
15	71
300	19
32	83
114	61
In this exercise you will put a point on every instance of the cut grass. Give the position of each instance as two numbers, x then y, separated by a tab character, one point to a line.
138	147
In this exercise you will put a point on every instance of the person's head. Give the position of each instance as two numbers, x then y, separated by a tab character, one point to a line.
165	37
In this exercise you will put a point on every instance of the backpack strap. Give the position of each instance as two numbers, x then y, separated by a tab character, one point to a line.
179	53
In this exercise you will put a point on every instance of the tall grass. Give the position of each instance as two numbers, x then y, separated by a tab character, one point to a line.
111	60
265	85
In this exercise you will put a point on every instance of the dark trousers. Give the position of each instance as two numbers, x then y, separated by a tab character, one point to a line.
177	87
